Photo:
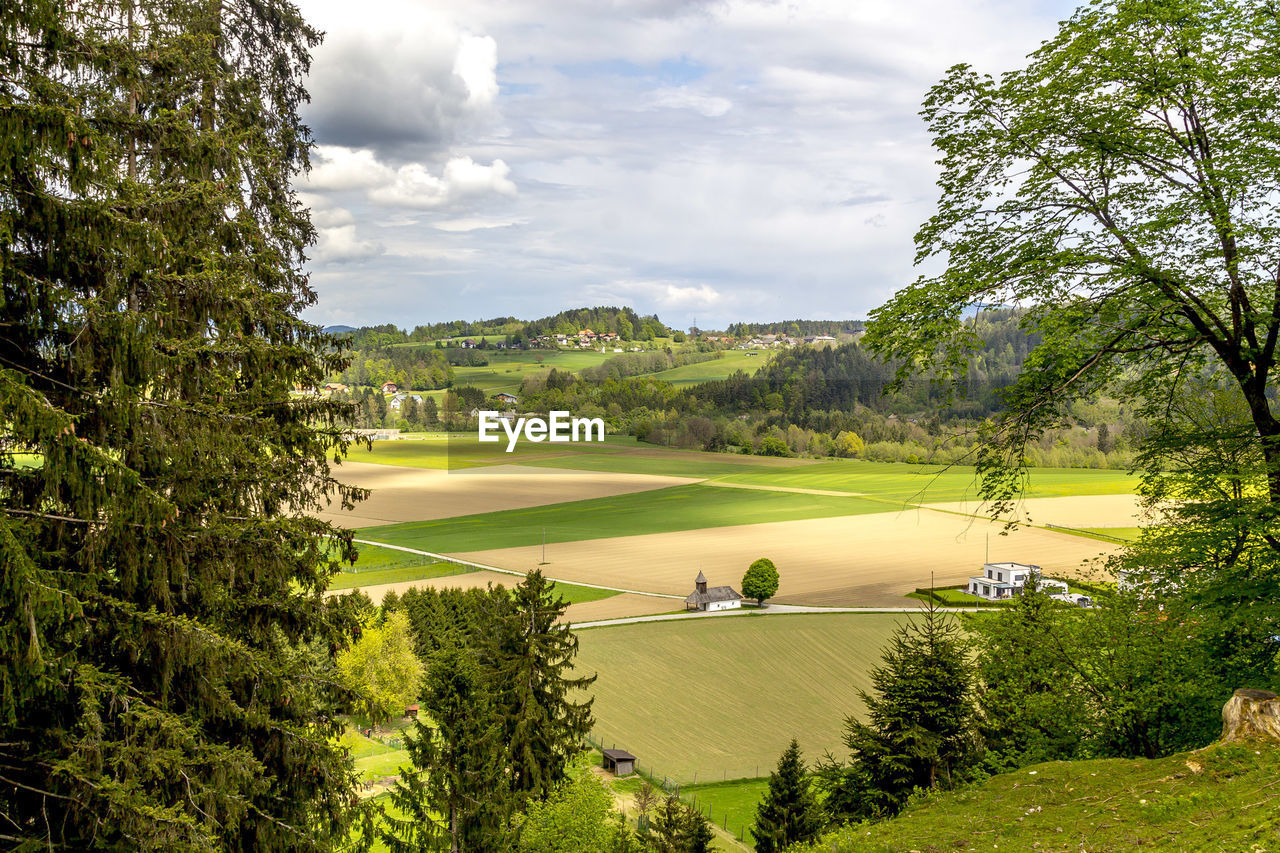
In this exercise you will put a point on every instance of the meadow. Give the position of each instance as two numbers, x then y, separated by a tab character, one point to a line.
748	361
897	481
709	700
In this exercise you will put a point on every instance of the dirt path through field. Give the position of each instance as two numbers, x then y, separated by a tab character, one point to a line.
793	489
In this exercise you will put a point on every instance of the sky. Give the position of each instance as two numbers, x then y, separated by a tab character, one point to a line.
708	160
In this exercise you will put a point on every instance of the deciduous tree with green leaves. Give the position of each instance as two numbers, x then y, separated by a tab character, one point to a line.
761	580
1122	189
166	651
577	817
383	667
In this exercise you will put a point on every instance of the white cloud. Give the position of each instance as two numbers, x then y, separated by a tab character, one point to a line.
338	168
741	159
475	224
682	98
476	64
414	185
342	245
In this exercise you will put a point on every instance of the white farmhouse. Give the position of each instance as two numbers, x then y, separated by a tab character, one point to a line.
715	598
1005	580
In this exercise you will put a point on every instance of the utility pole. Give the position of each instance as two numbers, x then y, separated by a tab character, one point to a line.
544	546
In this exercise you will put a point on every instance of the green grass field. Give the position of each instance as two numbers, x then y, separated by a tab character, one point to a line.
931	483
729	805
1129	534
507	369
748	361
690	507
1220	799
721	698
377	577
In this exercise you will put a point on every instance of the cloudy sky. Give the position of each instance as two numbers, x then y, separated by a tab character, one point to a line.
721	160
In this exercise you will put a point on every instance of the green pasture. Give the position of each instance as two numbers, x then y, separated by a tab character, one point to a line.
897	481
1129	534
508	368
690	507
646	459
748	361
426	570
721	698
731	805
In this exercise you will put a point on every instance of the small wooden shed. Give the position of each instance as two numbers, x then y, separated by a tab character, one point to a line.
411	711
619	762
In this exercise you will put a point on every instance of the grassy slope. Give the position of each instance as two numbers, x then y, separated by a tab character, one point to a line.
1226	798
722	697
748	361
663	510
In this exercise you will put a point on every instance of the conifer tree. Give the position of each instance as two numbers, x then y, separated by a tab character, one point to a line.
788	814
920	724
545	723
165	650
454	796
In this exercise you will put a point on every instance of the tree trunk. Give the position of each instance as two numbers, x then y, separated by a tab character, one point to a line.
1251	715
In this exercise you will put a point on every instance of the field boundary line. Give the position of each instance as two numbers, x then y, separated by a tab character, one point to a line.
484	567
759	487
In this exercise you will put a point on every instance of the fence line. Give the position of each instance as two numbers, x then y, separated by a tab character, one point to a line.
672	786
1094	533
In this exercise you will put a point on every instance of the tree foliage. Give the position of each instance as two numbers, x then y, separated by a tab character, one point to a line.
166	659
577	817
919	732
1121	188
545	723
517	715
383	667
789	813
678	827
452	797
761	580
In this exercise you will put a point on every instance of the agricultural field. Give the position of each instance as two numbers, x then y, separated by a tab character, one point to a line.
748	361
710	700
843	532
414	494
933	483
658	510
872	559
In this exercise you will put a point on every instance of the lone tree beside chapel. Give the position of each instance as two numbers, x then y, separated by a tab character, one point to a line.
761	580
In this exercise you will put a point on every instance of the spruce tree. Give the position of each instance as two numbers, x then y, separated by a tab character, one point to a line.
454	797
165	652
789	813
919	732
545	723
